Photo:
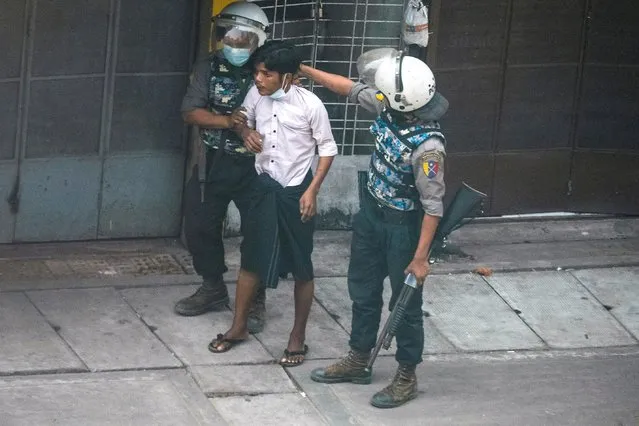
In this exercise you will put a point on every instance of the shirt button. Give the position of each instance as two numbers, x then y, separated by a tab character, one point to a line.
272	161
274	115
274	131
273	146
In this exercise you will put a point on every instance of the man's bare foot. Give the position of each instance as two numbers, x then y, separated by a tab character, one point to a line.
293	358
295	353
224	342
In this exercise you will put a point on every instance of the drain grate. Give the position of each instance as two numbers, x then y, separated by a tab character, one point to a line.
186	261
163	264
133	265
23	269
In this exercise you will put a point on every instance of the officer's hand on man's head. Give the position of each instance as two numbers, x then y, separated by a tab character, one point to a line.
252	140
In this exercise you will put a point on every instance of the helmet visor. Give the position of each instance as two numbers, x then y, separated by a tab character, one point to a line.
239	38
369	62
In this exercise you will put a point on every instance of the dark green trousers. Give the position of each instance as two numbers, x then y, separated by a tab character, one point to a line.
384	243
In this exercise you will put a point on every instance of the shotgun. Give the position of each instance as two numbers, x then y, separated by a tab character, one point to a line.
464	203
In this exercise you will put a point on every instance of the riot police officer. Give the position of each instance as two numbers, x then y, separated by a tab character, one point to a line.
212	102
400	207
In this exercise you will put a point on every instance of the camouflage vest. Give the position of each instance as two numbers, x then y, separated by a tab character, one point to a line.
228	86
390	175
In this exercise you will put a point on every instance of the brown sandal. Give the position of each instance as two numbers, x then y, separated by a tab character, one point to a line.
293	358
224	344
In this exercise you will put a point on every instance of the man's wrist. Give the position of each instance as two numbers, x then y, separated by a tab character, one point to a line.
420	257
313	190
243	132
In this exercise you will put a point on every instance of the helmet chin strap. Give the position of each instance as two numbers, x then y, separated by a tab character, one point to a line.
399	86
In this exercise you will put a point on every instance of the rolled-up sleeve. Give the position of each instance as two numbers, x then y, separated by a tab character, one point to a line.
428	167
197	93
364	96
321	129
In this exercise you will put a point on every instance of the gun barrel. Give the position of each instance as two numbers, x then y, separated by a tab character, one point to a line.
392	323
380	341
400	306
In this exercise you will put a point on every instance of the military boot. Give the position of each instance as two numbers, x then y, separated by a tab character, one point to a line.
257	313
352	368
402	389
211	296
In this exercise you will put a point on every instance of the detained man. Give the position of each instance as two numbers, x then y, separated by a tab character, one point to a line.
285	126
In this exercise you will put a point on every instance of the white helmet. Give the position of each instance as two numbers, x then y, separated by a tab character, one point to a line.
244	16
407	82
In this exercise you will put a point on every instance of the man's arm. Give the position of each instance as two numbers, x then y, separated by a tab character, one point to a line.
194	105
323	166
428	168
308	202
248	132
429	226
333	82
358	93
327	149
207	119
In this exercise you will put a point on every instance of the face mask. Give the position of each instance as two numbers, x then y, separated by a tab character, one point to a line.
235	56
279	93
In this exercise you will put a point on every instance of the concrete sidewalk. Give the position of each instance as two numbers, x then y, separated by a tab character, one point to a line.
88	336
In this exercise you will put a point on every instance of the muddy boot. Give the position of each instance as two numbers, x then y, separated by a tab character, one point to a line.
211	296
352	368
257	314
402	389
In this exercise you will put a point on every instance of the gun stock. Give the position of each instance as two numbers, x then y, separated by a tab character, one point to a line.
464	202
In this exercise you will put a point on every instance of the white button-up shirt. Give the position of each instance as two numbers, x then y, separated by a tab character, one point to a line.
291	128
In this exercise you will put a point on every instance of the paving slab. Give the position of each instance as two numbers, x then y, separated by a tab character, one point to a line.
618	289
102	329
104	281
242	379
107	399
483	233
332	293
550	255
188	337
324	336
269	410
536	391
331	253
560	310
473	317
28	343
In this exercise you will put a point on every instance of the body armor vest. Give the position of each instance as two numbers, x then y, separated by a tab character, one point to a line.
390	175
228	86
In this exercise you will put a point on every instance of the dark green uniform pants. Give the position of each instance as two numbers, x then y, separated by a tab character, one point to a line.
228	178
384	243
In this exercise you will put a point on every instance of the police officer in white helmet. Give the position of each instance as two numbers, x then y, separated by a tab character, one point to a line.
217	90
400	207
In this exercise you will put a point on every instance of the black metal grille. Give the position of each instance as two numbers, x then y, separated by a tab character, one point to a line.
332	35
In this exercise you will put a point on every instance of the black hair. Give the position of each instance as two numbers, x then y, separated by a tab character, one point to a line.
278	56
